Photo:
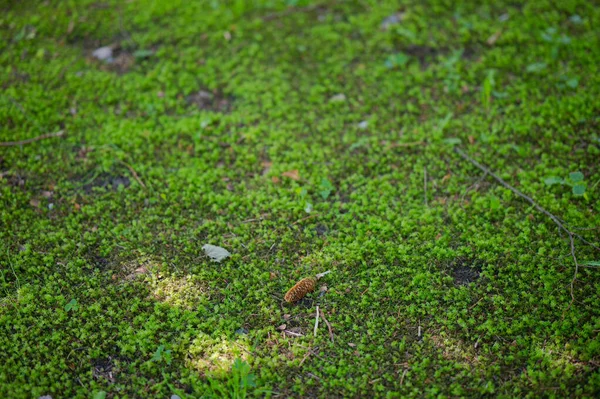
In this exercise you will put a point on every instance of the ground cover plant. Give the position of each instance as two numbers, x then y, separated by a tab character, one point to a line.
139	139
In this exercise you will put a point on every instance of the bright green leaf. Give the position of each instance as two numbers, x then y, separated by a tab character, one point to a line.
552	180
576	177
579	189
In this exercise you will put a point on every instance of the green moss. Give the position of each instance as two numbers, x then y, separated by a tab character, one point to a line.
455	287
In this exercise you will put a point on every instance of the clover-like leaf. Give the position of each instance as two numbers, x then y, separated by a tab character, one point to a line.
576	177
552	180
578	189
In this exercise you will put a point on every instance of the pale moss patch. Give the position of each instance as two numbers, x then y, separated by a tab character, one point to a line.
216	355
184	292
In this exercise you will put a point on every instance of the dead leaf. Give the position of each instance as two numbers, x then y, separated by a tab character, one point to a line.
292	174
393	19
286	316
446	178
47	194
351	344
272	275
275	179
492	39
35	203
216	253
323	288
103	53
471	140
266	167
338	98
282	327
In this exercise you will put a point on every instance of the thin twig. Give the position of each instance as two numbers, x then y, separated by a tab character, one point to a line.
291	10
328	325
425	184
540	209
305	218
316	321
135	175
305	356
60	133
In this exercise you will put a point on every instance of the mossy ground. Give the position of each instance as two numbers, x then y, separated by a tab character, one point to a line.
186	139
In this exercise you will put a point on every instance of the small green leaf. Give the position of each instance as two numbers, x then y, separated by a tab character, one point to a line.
158	354
536	67
494	203
99	395
397	60
552	180
576	177
72	305
452	141
143	53
326	188
573	83
579	189
592	263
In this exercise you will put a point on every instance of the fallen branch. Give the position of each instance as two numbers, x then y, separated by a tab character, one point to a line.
328	325
552	217
60	133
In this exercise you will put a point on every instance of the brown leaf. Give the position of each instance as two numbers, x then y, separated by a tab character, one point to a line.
292	174
275	179
35	203
287	316
47	194
471	140
446	178
282	327
492	39
272	276
351	344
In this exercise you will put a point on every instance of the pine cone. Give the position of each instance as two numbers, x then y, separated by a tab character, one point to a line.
301	288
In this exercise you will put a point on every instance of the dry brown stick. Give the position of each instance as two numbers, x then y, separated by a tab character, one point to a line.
539	208
135	175
291	10
328	325
60	133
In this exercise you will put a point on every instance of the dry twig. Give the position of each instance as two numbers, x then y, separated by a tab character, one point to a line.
316	321
552	217
60	133
328	325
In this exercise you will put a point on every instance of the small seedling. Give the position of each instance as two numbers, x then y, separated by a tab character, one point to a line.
162	354
575	181
72	305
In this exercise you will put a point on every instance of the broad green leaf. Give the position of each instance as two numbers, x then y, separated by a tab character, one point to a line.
494	203
143	53
592	263
552	180
576	177
579	189
452	140
537	67
72	305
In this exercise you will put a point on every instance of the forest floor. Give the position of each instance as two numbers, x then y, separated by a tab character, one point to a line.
300	137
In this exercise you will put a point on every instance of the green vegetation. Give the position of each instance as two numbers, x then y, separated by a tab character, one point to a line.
300	137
